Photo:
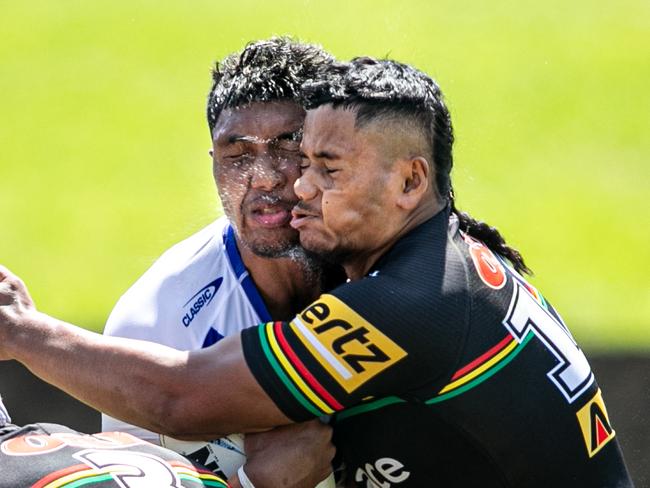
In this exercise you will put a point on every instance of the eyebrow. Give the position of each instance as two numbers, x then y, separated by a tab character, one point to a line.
325	155
232	138
295	135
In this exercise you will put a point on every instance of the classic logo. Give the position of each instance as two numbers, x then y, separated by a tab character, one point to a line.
350	348
594	423
200	300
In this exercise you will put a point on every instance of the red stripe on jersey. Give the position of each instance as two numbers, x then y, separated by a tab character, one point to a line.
483	357
60	474
304	372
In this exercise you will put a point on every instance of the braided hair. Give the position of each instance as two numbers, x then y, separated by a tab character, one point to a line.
386	89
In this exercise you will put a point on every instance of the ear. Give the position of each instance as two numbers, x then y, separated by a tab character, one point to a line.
415	182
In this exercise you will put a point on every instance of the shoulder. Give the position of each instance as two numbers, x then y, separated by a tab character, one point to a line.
207	242
186	267
423	274
187	259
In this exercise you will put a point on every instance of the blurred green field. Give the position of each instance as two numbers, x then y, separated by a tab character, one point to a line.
104	163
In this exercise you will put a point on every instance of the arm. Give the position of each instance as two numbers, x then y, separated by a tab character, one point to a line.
143	312
201	394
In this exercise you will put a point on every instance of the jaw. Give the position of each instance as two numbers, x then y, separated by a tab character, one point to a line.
268	241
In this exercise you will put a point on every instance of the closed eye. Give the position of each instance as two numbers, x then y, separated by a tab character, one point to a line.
304	160
238	160
286	145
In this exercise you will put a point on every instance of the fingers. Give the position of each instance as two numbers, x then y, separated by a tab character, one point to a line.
9	279
7	276
13	290
6	297
4	273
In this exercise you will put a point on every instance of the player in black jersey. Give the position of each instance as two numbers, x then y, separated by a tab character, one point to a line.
441	365
45	455
53	456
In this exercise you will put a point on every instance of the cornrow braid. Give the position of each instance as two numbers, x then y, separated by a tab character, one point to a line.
490	236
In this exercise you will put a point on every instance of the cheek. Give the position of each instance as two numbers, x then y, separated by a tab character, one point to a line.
232	188
290	167
343	215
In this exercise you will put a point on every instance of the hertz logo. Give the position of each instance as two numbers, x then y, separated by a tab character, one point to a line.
350	348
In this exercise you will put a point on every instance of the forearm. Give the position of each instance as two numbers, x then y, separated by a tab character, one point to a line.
131	380
201	394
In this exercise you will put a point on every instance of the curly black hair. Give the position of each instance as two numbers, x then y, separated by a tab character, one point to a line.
263	71
389	90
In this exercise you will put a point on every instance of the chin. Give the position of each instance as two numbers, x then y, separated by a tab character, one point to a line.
270	242
320	248
279	247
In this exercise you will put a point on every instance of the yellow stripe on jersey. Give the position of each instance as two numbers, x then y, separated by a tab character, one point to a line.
481	369
302	386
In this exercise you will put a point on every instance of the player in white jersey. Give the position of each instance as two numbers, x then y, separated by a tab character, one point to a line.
195	294
248	267
239	270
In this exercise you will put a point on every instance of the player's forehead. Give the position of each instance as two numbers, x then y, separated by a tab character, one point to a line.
329	129
258	122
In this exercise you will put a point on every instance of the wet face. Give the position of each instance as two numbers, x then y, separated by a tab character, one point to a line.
255	164
347	188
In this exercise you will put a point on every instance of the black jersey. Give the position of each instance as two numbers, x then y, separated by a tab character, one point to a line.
443	367
54	456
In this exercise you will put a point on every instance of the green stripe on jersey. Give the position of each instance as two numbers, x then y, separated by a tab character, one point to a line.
368	407
488	374
384	402
202	482
282	375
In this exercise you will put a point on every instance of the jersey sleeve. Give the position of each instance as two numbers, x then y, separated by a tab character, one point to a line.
358	344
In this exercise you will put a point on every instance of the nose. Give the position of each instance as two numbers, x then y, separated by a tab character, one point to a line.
304	187
266	174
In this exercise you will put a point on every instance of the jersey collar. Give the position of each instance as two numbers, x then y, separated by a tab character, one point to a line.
243	276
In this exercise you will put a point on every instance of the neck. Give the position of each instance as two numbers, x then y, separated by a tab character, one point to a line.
358	266
287	285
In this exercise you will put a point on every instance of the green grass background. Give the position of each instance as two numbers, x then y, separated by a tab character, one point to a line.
103	144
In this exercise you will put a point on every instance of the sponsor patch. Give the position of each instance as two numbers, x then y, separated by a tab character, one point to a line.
594	423
349	347
488	267
200	300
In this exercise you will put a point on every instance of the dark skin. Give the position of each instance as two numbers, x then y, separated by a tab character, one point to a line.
362	189
211	392
255	164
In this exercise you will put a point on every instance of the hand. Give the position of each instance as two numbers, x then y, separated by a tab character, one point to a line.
15	303
292	456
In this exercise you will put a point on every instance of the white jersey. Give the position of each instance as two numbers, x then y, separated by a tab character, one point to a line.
196	293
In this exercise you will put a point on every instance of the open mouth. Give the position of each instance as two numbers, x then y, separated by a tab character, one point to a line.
273	216
270	214
301	215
